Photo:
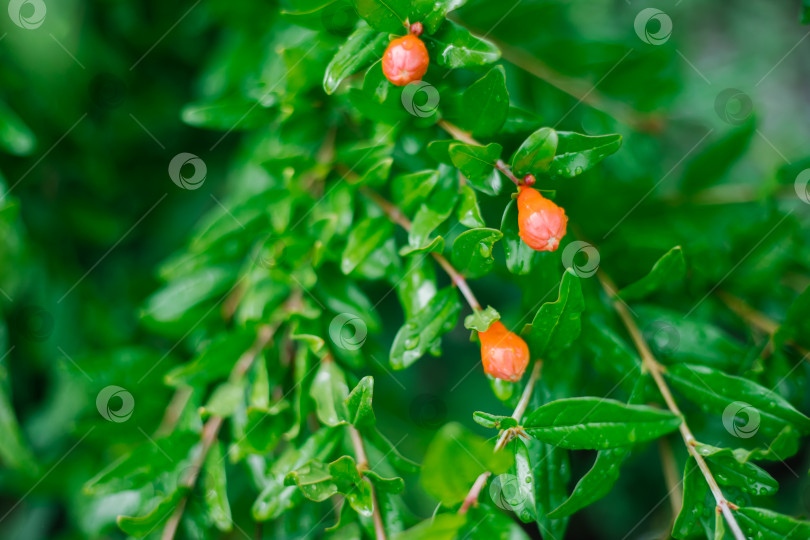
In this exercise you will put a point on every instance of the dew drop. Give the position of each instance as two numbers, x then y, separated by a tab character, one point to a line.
411	343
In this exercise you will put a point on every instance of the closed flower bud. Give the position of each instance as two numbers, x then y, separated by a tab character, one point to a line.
504	354
405	60
541	223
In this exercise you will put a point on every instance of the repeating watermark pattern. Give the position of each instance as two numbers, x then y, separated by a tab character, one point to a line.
663	338
425	108
339	18
348	331
653	26
37	323
428	411
733	106
123	412
184	160
741	419
802	185
509	493
107	91
27	14
573	250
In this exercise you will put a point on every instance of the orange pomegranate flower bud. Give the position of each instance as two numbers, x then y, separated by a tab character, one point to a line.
405	60
504	354
541	223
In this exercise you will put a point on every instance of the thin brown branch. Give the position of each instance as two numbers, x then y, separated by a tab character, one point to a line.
211	428
172	414
395	214
472	497
671	476
651	365
362	464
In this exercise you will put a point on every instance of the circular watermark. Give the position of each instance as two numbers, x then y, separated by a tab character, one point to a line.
428	411
663	338
37	323
508	493
733	106
741	419
422	109
27	14
107	91
182	161
573	251
339	18
653	26
348	331
123	412
802	185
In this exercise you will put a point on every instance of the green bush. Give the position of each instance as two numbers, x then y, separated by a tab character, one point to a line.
248	285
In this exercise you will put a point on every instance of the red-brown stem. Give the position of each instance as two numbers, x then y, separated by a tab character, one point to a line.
211	428
655	369
475	491
362	465
395	214
462	136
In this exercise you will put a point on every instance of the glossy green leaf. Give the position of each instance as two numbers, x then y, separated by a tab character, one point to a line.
318	482
770	525
523	502
435	210
695	508
550	475
477	164
416	286
390	485
519	256
236	113
668	269
594	424
358	404
178	297
732	468
384	15
265	426
227	397
140	527
536	153
454	459
419	333
711	164
472	251
576	153
723	394
330	391
455	47
364	238
431	13
557	323
486	103
441	527
414	188
494	421
215	490
362	47
468	212
481	319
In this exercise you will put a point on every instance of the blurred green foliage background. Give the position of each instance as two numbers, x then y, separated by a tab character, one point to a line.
91	113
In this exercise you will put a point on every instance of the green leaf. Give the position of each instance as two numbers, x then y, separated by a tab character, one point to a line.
468	212
431	13
472	251
590	423
577	153
668	269
227	397
416	286
477	164
334	16
414	188
214	487
711	165
557	324
265	426
14	451
441	527
358	404
229	114
361	49
214	360
494	421
454	459
419	333
486	103
736	399
455	47
141	526
481	319
550	473
770	525
364	238
384	15
15	137
805	14
695	491
519	256
796	327
390	485
732	468
181	295
330	391
318	482
536	153
435	210
523	496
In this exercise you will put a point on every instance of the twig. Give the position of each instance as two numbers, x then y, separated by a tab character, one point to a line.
462	136
670	476
757	319
362	464
212	426
173	411
480	482
395	214
656	370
